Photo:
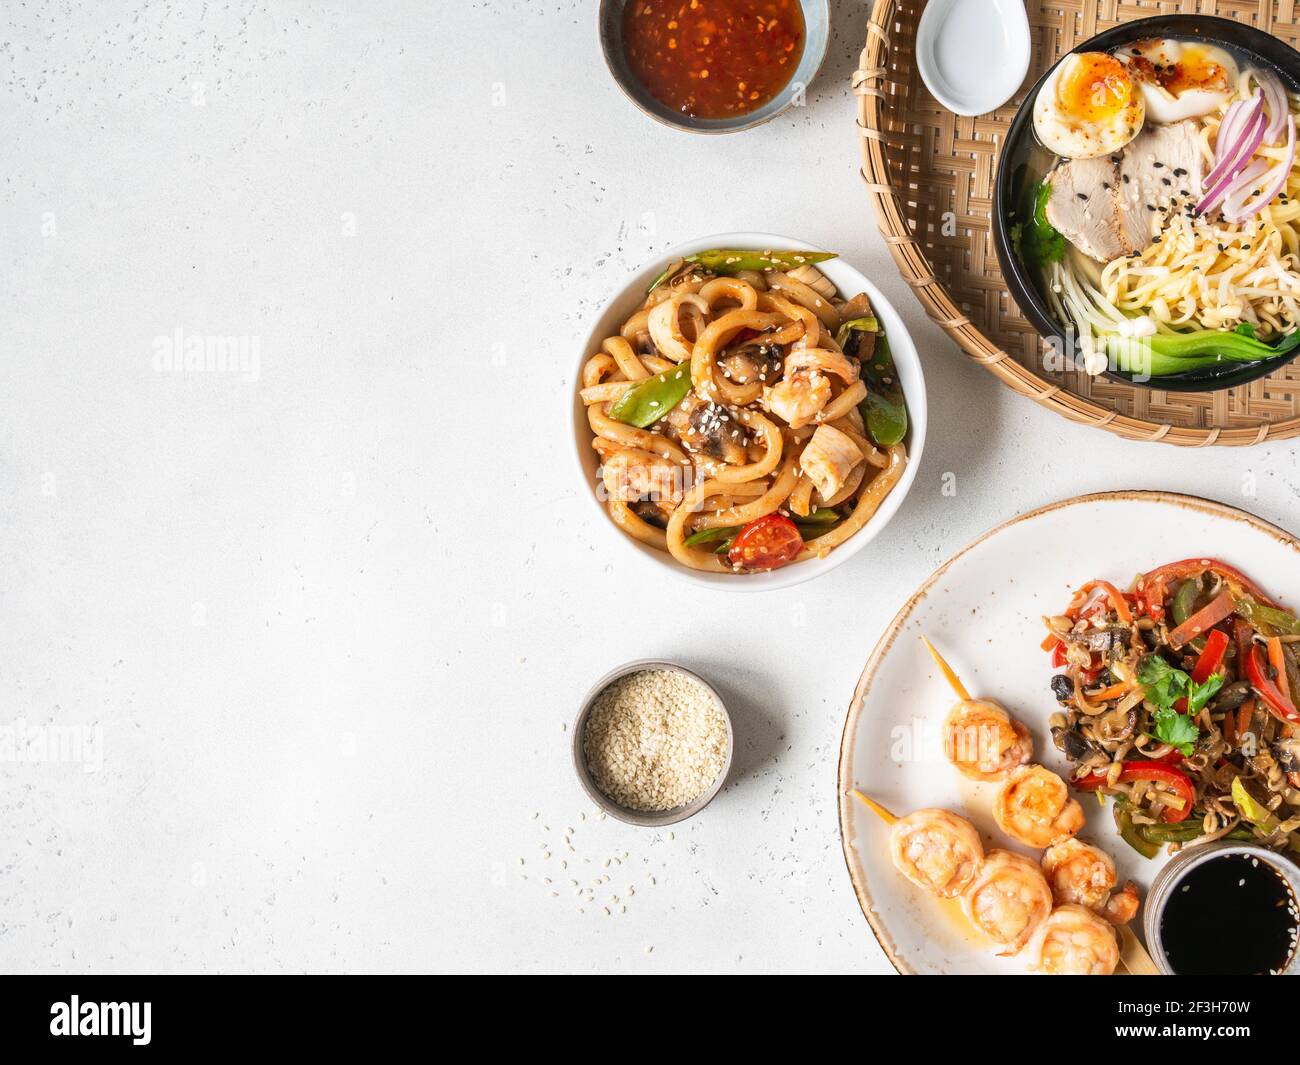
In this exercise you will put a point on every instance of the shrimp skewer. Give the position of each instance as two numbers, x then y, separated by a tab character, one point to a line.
1008	899
1034	806
1074	941
981	739
1082	874
935	849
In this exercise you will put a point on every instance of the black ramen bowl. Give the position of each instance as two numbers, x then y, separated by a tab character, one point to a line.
1015	168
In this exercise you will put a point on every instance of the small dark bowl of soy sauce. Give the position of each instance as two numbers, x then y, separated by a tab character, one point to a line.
1225	910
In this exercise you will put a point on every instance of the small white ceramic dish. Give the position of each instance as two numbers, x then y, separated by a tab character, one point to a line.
973	54
849	281
983	609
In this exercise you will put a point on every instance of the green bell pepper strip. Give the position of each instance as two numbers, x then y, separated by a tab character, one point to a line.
707	536
1129	833
885	409
733	260
647	401
1270	620
1184	604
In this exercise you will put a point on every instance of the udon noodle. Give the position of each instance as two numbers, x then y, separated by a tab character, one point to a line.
746	440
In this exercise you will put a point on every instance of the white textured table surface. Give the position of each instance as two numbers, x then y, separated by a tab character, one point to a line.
331	622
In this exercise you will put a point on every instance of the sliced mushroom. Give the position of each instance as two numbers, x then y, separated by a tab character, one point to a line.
757	359
708	428
1287	753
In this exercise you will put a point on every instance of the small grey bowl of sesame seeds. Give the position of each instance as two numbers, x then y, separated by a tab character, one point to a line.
652	743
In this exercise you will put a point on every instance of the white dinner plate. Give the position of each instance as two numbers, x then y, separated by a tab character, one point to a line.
983	609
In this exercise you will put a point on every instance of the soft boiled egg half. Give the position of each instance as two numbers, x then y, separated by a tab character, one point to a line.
1182	79
1089	106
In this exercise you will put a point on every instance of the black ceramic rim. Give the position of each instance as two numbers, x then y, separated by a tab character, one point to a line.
1264	48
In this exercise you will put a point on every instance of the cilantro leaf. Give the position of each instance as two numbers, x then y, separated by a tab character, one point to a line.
1177	730
1200	694
1165	685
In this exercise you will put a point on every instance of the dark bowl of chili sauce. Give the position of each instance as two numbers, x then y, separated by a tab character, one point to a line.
1226	911
714	66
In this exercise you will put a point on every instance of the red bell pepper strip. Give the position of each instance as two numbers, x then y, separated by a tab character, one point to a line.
1279	705
1221	606
1174	779
1151	587
1216	646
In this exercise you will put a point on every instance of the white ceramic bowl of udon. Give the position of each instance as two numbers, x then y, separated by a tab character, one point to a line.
849	281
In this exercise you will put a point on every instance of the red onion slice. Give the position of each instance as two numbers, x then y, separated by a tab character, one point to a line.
1241	152
1275	182
1237	121
1275	102
1242	185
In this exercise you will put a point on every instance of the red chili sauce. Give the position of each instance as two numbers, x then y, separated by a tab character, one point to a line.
713	58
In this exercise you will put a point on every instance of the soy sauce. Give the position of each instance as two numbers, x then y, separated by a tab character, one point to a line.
1234	915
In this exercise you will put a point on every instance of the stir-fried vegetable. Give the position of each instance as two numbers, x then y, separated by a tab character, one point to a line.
1166	682
1251	808
733	260
647	401
711	536
865	324
1268	619
1178	804
884	410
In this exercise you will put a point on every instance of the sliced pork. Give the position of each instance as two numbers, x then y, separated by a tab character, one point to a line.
1084	207
1114	205
1161	170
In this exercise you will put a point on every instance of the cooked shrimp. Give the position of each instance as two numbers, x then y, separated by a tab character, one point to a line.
1122	906
1034	806
804	389
1079	873
1074	941
1082	874
1007	900
985	742
936	850
631	474
798	398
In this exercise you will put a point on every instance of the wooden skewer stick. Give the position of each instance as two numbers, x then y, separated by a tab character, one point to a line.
875	807
949	675
1133	956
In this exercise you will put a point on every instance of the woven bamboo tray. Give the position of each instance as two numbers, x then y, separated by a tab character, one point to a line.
920	162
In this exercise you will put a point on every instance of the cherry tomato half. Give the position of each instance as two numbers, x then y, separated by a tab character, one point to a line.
768	542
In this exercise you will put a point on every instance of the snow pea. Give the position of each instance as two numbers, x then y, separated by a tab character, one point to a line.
733	260
885	409
647	401
708	536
